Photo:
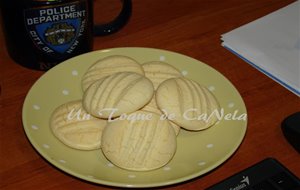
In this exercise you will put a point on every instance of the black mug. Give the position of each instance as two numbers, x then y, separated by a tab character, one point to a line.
42	33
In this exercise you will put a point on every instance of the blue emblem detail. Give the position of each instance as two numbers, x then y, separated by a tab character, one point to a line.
59	36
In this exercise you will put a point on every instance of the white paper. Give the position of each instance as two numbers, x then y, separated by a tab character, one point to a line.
272	45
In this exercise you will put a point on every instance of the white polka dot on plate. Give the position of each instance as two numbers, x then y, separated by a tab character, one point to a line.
36	107
74	72
46	146
131	176
231	105
209	145
162	58
167	168
201	163
62	161
110	165
211	88
184	72
34	127
65	92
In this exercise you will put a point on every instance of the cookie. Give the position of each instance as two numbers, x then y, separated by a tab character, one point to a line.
74	127
116	94
158	72
108	66
140	144
175	127
152	107
193	106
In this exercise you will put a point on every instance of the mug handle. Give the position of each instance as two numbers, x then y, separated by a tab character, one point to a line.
117	23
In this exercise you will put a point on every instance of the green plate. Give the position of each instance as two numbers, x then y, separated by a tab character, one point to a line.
197	152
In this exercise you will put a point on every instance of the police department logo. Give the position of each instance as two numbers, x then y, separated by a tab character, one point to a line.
60	33
57	30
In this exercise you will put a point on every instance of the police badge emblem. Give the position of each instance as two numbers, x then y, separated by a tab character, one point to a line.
56	30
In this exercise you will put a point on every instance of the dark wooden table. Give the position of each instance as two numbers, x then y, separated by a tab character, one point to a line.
190	27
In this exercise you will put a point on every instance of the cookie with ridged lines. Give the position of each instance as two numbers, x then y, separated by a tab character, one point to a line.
108	66
116	94
141	144
193	105
152	107
74	127
158	72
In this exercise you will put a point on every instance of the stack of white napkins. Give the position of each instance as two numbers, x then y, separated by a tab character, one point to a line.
272	45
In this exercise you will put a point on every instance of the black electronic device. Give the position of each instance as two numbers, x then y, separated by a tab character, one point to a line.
268	174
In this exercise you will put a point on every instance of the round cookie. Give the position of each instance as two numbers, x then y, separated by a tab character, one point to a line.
158	72
152	107
139	144
73	126
116	94
193	105
108	66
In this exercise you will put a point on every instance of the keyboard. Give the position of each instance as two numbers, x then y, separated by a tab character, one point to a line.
268	174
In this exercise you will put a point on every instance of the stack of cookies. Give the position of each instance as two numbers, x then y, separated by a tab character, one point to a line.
133	112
